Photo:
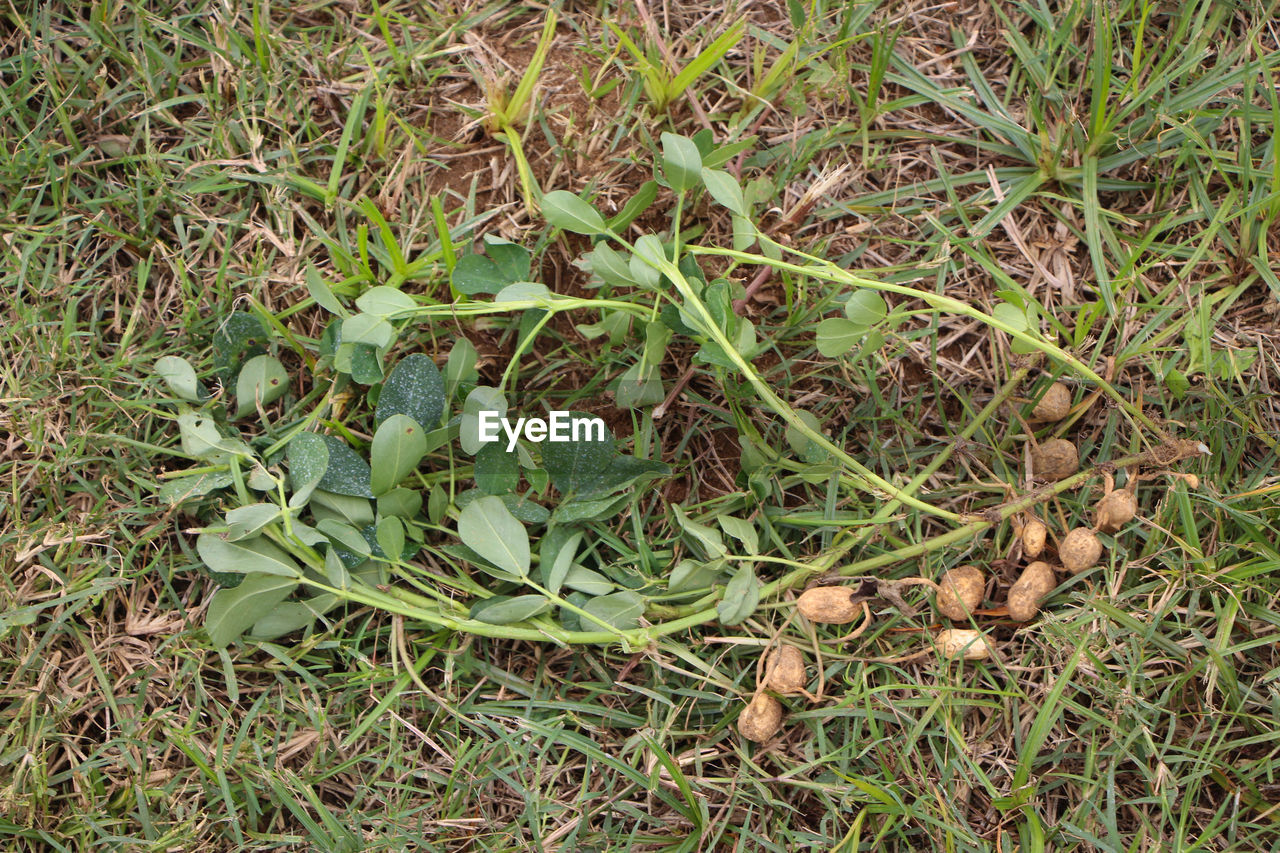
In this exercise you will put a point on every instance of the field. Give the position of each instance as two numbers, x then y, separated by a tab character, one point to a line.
817	268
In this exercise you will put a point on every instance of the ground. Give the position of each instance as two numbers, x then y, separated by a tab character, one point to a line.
1103	175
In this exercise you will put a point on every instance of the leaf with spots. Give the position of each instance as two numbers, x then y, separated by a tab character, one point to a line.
262	381
347	473
414	388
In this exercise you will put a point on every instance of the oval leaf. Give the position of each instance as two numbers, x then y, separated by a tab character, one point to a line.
507	609
247	557
234	609
414	388
347	473
262	380
308	461
565	210
487	527
740	596
398	447
180	376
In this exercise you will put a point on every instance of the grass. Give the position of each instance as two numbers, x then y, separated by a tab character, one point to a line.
1112	169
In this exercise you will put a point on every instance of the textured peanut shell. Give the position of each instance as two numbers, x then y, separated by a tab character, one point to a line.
1056	459
1033	537
832	605
960	592
785	671
1116	509
1054	405
1080	550
1035	582
761	719
973	645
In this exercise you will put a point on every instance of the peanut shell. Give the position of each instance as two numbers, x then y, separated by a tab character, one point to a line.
1054	404
1080	550
960	592
1056	459
1116	509
785	671
972	645
1033	537
1036	581
761	719
832	605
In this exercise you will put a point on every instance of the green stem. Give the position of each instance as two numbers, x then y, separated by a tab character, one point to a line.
827	271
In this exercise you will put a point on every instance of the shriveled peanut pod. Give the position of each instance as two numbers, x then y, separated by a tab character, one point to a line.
831	605
971	645
761	719
960	592
1116	509
1054	405
1036	581
785	671
1056	459
1080	550
1034	534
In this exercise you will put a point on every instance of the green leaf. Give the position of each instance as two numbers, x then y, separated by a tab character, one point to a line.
354	509
415	388
402	503
366	364
308	461
742	530
571	512
556	551
496	471
802	445
383	301
367	329
709	538
725	189
575	466
175	492
398	446
180	376
513	261
640	385
477	274
522	291
322	293
240	337
681	162
508	609
741	596
486	526
248	520
691	575
609	266
201	438
866	307
565	210
460	367
262	380
232	610
390	536
836	336
585	580
622	610
347	473
347	538
289	616
247	557
482	398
